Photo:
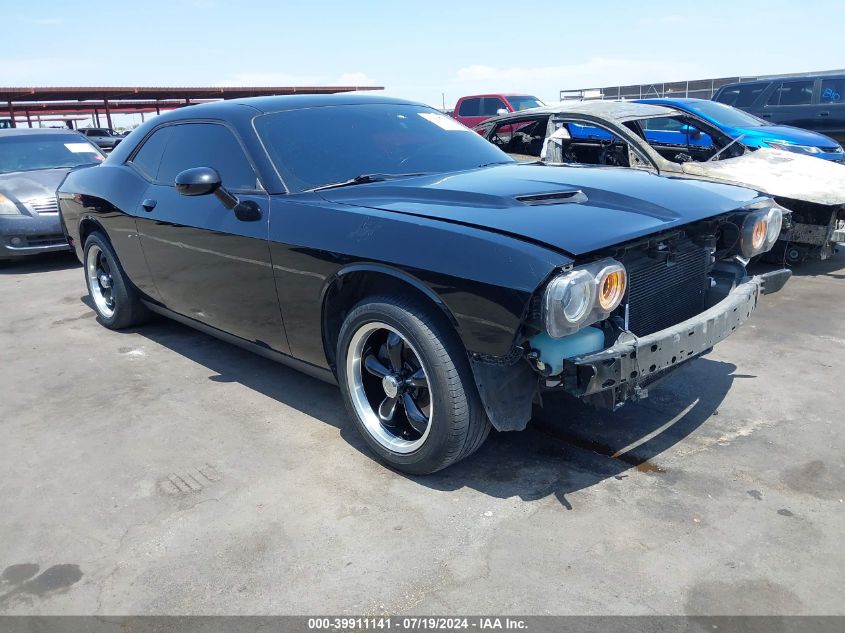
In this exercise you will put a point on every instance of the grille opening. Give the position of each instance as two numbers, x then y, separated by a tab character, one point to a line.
660	293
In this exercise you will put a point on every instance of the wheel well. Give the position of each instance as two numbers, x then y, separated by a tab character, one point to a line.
86	227
349	289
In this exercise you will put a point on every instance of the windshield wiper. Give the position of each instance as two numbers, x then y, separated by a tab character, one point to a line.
365	178
497	162
716	155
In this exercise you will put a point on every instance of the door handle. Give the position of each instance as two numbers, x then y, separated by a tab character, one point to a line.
824	113
766	116
148	205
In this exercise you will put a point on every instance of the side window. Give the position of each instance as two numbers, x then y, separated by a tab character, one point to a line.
792	93
492	105
206	145
470	107
675	133
148	158
590	144
521	138
665	124
742	95
832	90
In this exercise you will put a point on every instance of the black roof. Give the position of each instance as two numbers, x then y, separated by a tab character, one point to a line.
281	104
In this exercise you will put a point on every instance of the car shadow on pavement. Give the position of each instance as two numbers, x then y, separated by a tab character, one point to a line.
568	446
48	262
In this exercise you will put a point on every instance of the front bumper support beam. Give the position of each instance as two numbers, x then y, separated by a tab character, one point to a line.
621	372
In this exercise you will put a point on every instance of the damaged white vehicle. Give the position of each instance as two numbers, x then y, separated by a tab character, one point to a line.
669	141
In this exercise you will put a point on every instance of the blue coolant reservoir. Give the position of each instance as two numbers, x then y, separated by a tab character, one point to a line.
554	350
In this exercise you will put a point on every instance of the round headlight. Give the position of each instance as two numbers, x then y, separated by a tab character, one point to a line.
775	221
611	287
576	301
568	301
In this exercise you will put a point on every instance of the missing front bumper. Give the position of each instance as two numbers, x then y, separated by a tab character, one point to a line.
607	379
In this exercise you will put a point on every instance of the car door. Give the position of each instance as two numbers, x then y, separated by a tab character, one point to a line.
208	264
791	103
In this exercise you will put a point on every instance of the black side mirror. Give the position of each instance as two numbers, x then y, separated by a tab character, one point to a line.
198	181
201	181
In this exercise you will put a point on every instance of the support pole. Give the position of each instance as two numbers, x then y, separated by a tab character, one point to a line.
12	114
28	118
108	113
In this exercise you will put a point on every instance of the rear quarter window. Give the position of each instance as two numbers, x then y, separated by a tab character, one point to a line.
148	158
832	91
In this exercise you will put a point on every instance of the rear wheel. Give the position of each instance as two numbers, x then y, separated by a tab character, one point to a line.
115	299
407	383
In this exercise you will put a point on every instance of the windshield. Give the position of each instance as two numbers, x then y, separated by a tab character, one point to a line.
524	102
726	115
46	151
320	146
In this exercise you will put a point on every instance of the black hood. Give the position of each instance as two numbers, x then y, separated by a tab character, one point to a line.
573	209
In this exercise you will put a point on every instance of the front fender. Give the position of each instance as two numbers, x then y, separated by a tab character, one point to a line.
481	279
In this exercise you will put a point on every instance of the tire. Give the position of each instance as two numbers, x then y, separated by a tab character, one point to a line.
115	299
795	255
453	423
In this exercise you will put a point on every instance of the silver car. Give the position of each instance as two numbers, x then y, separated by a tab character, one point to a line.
33	162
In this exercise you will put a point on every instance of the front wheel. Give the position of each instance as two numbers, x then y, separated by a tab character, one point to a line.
115	299
407	383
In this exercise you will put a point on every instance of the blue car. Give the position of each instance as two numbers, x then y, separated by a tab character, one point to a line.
757	132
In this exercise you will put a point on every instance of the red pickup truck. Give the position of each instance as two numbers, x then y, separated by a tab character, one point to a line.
475	109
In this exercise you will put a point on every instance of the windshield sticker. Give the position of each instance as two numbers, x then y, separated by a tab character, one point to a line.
444	122
80	148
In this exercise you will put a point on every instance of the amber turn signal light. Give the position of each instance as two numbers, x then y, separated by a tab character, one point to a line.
611	288
758	236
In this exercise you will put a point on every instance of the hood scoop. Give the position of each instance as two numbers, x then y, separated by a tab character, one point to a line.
575	196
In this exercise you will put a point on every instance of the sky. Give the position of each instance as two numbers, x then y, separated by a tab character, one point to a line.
430	51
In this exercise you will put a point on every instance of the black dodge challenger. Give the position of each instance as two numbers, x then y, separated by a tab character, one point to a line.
382	245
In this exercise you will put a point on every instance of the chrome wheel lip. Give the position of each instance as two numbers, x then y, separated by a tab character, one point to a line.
354	381
95	283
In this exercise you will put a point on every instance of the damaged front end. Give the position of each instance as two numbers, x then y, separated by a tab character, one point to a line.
813	232
607	329
623	371
812	189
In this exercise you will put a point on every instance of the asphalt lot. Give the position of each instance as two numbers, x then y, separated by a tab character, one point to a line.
160	471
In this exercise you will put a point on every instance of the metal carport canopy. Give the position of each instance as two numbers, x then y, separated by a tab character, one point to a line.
22	100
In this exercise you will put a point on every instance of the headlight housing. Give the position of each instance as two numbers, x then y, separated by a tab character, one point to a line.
8	207
791	147
582	296
760	229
